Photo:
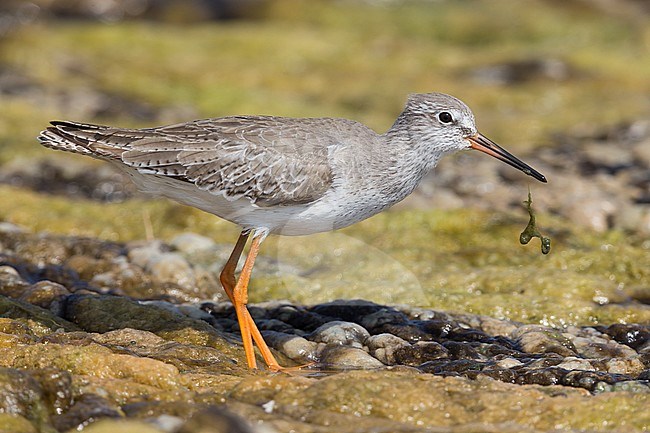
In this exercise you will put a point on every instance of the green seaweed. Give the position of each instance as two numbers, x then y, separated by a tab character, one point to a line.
531	230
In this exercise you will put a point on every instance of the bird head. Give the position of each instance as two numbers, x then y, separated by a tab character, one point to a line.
447	125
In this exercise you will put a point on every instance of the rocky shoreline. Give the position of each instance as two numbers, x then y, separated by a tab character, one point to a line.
128	345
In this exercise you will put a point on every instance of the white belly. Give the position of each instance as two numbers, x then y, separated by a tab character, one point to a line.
335	210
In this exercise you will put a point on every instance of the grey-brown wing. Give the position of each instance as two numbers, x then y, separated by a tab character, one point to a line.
271	161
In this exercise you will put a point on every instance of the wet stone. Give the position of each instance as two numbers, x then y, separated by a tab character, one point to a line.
544	376
445	367
383	317
11	283
588	380
574	363
349	311
274	325
458	350
597	349
496	327
538	339
632	335
22	395
342	333
298	317
409	332
436	329
627	366
57	389
86	409
419	353
384	346
502	374
292	346
216	419
493	350
507	363
343	357
46	294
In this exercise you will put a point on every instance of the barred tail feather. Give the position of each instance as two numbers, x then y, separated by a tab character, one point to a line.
79	138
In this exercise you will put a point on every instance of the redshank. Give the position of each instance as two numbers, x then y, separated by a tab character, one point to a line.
286	176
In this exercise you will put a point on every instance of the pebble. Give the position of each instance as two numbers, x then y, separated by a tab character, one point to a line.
11	283
292	346
540	339
419	353
340	357
190	243
46	294
341	333
574	363
383	347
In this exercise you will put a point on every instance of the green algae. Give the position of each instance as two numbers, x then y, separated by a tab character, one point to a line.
408	398
10	423
531	230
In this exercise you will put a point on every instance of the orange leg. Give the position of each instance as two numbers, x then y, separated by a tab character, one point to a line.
238	294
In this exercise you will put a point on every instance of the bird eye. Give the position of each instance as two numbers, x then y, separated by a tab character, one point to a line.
445	117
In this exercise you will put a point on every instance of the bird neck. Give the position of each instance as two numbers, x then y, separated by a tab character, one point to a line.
413	147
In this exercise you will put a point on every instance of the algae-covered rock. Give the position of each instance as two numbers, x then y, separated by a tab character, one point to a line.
122	426
39	320
102	314
22	396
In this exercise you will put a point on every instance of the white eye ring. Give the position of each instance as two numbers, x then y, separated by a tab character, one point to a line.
445	117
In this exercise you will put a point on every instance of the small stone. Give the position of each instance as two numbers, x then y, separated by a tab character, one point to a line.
631	335
216	419
345	357
382	317
539	339
419	353
142	255
629	366
641	152
171	268
493	327
45	294
458	350
190	243
383	347
11	283
347	310
7	227
342	333
508	363
86	409
292	346
573	363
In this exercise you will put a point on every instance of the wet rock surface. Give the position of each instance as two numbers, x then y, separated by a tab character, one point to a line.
78	354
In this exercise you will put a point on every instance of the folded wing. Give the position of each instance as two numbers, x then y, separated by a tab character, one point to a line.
271	161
